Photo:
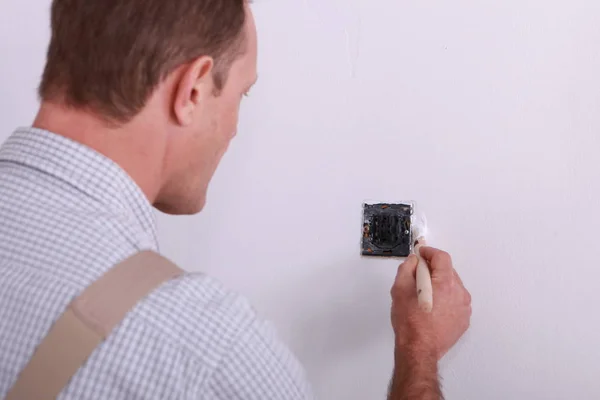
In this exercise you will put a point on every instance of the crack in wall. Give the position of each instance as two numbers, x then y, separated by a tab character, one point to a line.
348	12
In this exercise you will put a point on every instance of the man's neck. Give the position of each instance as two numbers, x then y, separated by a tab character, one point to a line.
133	146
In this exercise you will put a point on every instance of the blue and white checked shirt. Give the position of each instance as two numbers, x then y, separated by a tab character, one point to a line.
67	215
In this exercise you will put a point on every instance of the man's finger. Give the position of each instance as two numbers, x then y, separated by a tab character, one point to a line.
466	293
407	271
439	261
458	277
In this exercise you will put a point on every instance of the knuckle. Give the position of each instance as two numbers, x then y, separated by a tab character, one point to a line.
442	257
468	298
466	320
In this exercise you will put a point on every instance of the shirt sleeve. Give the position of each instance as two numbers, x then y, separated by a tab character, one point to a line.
259	367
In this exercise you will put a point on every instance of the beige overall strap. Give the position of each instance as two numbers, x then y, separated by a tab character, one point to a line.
87	322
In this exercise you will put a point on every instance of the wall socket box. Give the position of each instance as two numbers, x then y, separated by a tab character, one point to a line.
387	229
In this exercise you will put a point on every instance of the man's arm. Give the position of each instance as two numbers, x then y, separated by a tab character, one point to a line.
415	377
422	338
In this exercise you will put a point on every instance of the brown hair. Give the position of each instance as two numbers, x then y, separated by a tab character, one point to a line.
110	55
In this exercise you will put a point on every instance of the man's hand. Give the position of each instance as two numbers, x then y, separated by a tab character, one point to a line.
451	314
421	338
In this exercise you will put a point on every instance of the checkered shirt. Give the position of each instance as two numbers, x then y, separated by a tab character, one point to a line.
67	215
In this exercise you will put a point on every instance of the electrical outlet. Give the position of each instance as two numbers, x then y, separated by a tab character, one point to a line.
387	230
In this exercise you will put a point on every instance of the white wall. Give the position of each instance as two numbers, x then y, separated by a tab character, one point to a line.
486	113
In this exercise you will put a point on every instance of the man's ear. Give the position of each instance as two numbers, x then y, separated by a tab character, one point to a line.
194	86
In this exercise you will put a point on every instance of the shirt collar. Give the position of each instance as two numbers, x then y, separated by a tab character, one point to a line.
87	170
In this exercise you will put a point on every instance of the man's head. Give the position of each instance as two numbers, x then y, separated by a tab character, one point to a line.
177	68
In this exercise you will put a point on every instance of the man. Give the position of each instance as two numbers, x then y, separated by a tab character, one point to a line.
140	100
